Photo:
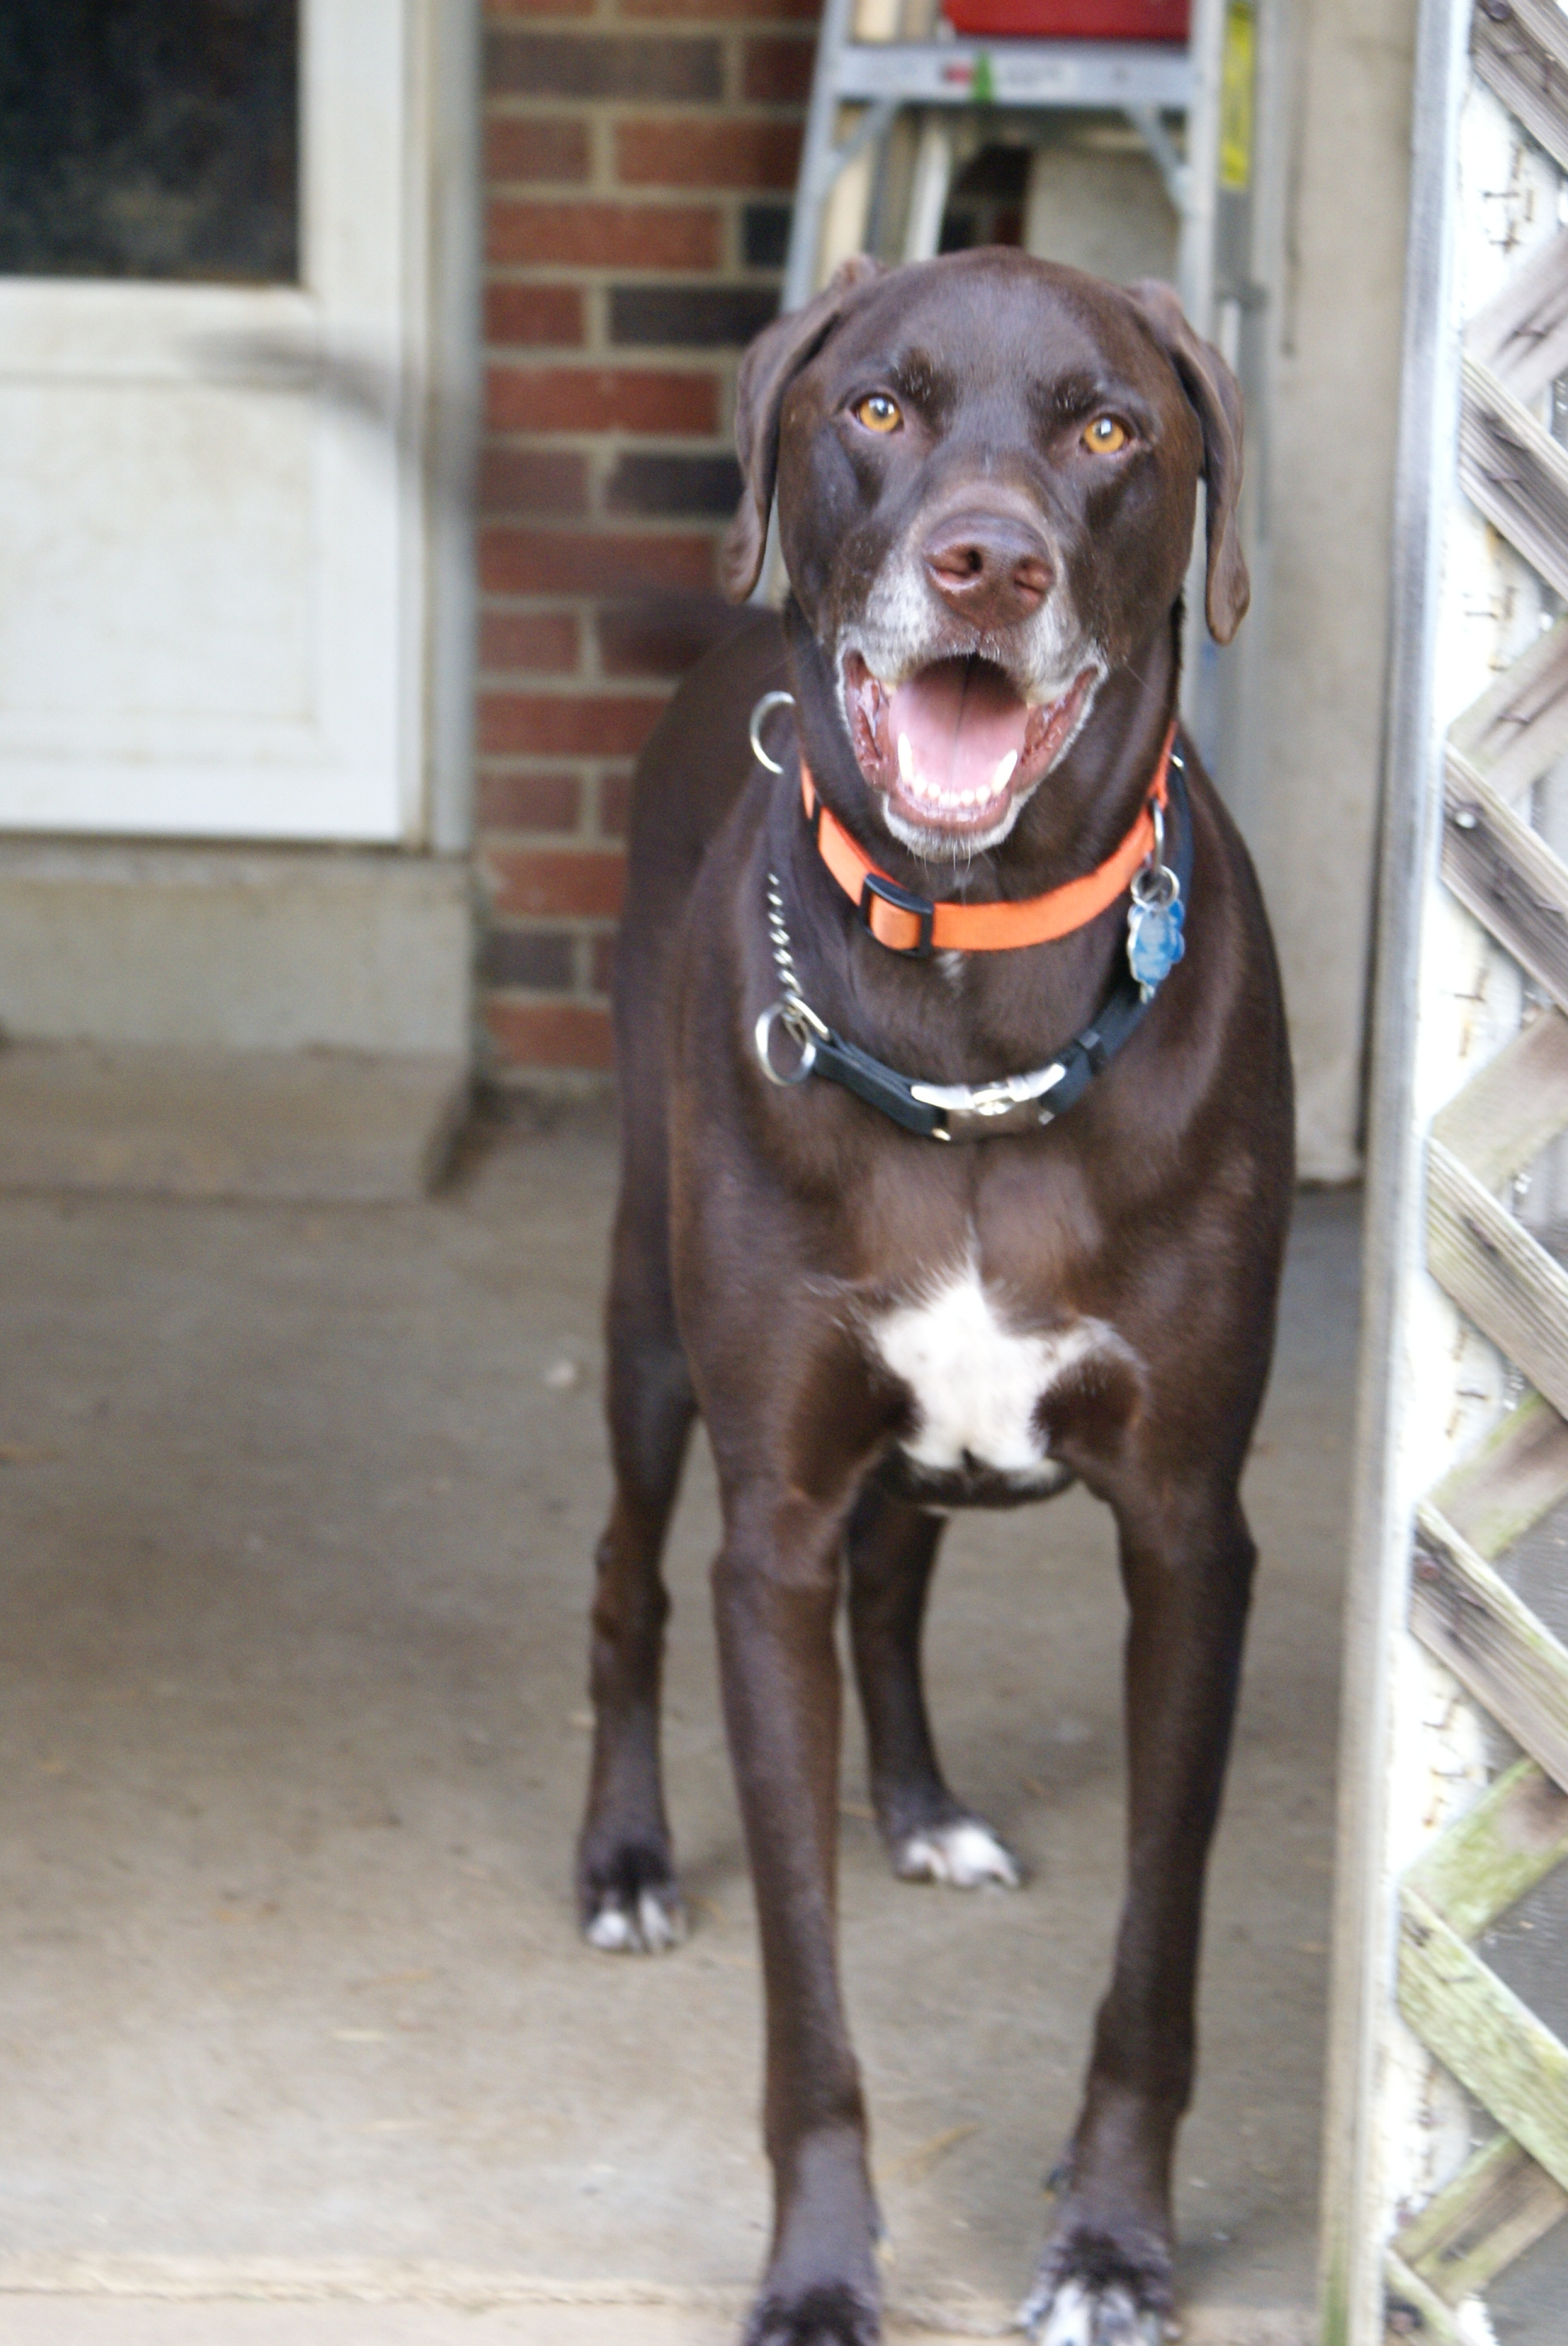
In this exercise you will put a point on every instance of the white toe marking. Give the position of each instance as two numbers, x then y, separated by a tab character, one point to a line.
611	1931
1070	2317
661	1922
977	1382
964	1855
657	1925
1080	2316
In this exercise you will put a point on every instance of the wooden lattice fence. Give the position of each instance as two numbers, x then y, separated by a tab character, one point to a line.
1469	1174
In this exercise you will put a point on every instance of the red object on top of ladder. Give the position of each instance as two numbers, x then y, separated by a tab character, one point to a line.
1072	20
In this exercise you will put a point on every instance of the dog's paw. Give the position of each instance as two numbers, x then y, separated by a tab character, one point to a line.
650	1925
1079	2315
964	1854
633	1906
831	2314
1090	2291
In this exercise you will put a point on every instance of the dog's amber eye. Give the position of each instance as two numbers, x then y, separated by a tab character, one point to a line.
878	413
1104	436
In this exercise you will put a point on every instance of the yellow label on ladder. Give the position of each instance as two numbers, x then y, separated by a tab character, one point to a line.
1235	82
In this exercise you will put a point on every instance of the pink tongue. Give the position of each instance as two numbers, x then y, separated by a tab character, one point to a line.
962	717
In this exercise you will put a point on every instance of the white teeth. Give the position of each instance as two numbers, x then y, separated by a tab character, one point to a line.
932	795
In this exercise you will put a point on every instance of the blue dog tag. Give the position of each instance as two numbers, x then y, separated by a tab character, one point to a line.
1154	941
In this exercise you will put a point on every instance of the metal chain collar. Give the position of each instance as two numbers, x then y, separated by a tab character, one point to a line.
805	1028
801	1022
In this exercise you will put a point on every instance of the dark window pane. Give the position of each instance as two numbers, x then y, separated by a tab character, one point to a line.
149	138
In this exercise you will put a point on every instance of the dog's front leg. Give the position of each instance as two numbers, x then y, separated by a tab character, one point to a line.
1186	1561
776	1593
930	1836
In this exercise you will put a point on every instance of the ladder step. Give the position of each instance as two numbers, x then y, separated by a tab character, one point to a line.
1118	74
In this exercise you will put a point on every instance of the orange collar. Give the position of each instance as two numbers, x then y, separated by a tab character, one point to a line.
908	923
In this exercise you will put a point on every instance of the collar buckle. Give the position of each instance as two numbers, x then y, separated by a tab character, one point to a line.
876	886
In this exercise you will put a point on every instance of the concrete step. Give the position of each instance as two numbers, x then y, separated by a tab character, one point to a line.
274	2307
234	948
360	1128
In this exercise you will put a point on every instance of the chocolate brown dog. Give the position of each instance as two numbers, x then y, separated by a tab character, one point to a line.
1029	1226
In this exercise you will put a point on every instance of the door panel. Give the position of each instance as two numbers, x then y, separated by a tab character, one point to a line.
125	509
210	598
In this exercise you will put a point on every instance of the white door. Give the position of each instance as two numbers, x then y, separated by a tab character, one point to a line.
211	557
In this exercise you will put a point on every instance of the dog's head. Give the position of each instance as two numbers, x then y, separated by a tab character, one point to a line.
987	470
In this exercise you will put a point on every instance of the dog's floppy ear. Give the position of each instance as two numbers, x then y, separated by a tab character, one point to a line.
1215	395
769	367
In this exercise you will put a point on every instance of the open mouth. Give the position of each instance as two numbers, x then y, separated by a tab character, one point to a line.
955	746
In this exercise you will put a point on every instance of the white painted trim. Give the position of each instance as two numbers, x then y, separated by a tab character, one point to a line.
1387	1477
454	370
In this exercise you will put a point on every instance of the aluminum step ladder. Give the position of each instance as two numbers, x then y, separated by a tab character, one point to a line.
1192	108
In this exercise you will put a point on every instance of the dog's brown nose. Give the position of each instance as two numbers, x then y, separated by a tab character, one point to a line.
990	567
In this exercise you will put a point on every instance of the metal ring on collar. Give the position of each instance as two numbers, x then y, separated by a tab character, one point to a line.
754	727
1154	885
764	1036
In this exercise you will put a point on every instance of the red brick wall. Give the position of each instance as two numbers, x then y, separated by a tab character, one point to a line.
640	159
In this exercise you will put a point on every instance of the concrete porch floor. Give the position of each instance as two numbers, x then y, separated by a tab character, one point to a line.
297	2039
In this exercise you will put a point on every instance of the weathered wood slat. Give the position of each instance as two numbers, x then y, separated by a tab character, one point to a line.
1516	476
1520	726
1509	465
1509	877
1406	2287
1494	1855
1516	1476
1499	2204
1482	2030
1470	1617
1494	1269
1524	58
1507	1114
1521	335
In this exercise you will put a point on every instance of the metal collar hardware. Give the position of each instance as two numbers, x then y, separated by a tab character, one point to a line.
1017	1102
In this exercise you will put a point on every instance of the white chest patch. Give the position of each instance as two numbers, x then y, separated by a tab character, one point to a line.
977	1383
